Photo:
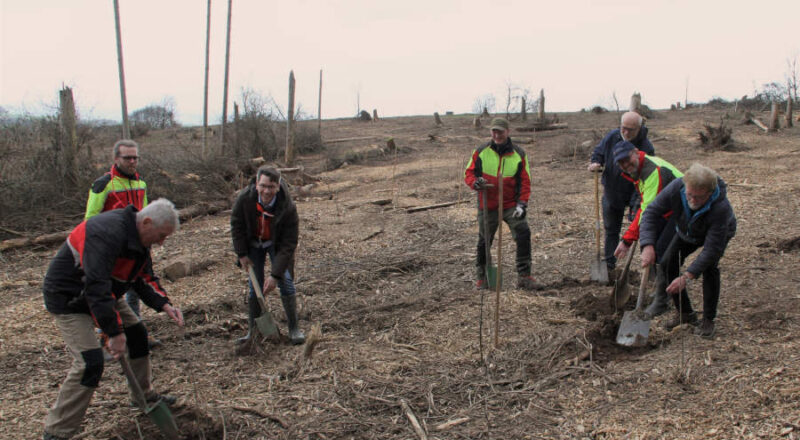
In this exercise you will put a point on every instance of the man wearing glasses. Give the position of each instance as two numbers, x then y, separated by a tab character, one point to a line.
264	222
618	192
704	218
118	188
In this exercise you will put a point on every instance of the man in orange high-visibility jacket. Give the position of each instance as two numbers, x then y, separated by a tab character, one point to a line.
498	162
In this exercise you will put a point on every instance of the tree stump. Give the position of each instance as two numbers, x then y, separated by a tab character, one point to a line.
485	113
524	109
476	122
541	105
437	118
788	115
636	102
774	125
375	115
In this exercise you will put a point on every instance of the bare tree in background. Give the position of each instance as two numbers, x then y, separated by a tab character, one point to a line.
485	102
514	95
616	101
791	77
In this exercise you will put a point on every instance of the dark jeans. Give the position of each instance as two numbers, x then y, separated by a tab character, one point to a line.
520	232
672	260
259	256
612	222
665	236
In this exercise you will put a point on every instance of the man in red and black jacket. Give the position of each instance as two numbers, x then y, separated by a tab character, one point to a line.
84	288
495	163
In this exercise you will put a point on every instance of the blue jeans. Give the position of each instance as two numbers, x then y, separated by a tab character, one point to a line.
259	258
132	298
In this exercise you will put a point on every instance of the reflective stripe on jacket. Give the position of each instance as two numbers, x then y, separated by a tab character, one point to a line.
486	162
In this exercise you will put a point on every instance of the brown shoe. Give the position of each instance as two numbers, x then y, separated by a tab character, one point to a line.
678	319
527	282
706	329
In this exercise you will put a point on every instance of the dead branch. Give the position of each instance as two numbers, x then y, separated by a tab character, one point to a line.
413	419
263	415
435	206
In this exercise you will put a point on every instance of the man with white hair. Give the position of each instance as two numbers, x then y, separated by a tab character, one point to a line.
618	192
704	218
84	288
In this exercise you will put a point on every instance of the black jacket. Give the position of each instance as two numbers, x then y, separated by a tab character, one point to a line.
711	226
617	190
101	259
284	227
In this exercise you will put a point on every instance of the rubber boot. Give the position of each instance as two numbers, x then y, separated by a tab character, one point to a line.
254	311
659	304
290	306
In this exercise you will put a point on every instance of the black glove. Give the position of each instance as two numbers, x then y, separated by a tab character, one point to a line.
480	184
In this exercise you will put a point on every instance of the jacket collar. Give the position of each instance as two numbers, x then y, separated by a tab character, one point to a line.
115	171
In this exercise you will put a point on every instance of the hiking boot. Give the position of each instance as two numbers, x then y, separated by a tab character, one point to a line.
706	329
482	284
527	282
678	319
48	436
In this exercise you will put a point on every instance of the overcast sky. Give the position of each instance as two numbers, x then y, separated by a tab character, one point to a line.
402	57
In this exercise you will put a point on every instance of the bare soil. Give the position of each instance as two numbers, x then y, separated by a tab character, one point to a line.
398	323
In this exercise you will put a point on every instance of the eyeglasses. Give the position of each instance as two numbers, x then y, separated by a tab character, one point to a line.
129	157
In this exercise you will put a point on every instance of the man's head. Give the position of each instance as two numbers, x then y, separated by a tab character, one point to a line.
268	183
126	156
700	182
630	125
156	222
627	157
500	130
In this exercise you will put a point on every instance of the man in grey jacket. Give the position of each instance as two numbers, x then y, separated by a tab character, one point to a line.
704	218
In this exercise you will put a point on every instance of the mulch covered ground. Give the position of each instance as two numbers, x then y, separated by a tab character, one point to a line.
403	345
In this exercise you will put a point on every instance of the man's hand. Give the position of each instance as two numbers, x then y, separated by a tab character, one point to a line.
174	313
245	262
594	166
519	211
622	250
678	284
269	284
648	255
480	184
116	345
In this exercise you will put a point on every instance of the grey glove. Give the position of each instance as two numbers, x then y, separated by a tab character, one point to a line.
519	211
480	184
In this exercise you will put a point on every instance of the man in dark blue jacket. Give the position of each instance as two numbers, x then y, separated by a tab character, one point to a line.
618	192
704	218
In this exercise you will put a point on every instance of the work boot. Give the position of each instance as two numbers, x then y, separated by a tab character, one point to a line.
290	306
154	397
527	282
254	311
706	329
678	319
659	304
48	436
482	284
153	342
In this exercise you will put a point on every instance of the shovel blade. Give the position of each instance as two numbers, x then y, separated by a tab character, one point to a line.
599	271
162	417
266	325
633	330
491	276
622	292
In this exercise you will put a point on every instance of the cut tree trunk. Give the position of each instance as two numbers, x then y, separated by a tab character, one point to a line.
437	119
788	115
540	114
774	125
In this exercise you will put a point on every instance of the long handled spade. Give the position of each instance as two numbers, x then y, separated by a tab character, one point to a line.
265	323
599	267
158	413
499	255
490	269
635	326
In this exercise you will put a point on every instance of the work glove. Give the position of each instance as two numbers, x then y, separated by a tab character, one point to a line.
480	184
519	211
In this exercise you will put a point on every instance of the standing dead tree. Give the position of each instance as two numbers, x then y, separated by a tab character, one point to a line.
69	138
289	158
540	113
774	125
437	119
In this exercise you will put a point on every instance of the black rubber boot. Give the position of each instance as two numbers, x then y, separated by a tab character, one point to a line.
254	311
659	304
290	306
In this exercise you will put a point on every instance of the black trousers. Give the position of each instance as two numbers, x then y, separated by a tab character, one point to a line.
671	262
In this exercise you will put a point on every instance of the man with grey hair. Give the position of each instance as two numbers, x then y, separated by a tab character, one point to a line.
102	258
704	218
118	188
618	192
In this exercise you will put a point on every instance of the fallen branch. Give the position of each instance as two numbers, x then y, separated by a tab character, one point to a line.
449	424
413	419
438	205
759	124
256	412
363	138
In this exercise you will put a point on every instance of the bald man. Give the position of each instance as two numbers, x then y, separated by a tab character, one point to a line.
618	192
